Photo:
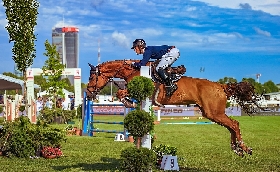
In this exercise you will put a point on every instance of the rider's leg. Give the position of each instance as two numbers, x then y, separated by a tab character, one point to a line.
167	60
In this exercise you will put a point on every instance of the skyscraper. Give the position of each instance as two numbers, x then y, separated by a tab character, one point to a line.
66	40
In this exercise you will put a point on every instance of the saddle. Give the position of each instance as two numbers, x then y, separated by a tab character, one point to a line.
174	73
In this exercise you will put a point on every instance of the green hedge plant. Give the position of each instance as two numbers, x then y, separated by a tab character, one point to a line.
57	115
163	149
23	139
137	160
138	123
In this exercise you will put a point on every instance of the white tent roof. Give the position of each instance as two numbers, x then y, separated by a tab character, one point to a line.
10	83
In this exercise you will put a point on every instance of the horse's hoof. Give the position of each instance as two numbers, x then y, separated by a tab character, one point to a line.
250	151
239	152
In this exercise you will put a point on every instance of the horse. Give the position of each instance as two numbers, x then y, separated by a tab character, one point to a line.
210	97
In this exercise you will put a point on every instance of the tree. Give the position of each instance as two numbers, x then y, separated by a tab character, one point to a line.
258	86
22	19
270	87
68	86
226	80
52	70
107	90
140	88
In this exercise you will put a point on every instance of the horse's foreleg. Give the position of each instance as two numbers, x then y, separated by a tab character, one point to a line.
123	97
240	142
232	125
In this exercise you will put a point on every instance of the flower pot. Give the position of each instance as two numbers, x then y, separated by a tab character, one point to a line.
156	122
159	162
130	139
70	132
78	132
50	157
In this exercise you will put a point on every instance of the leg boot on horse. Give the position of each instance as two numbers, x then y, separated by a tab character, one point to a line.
170	86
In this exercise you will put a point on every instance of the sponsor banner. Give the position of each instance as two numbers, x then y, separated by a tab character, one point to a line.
108	109
178	111
233	111
193	111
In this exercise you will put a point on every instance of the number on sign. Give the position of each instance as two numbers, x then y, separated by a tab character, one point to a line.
172	164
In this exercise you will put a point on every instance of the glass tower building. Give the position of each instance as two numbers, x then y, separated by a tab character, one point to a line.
66	40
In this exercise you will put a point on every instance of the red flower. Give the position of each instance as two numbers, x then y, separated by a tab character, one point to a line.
48	151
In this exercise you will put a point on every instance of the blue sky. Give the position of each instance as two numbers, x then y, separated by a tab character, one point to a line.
234	39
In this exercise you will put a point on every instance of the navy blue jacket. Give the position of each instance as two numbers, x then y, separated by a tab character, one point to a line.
153	52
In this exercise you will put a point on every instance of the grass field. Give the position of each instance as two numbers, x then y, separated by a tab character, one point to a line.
200	148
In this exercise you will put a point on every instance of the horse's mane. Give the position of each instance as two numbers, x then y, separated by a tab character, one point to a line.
116	61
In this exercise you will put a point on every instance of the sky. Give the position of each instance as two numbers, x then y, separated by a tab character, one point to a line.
237	39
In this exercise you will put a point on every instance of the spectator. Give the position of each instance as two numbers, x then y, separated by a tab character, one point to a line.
65	104
49	103
39	105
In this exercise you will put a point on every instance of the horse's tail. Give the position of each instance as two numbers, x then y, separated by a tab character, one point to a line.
244	94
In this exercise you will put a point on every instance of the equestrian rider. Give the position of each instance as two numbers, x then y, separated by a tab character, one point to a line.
167	55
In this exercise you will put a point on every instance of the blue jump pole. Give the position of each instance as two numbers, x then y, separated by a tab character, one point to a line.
85	116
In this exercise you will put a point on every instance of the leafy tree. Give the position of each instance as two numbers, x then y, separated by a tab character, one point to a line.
22	17
226	80
107	90
52	70
138	123
270	87
258	86
140	88
68	86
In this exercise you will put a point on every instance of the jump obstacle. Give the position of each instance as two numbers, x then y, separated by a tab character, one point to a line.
91	109
11	108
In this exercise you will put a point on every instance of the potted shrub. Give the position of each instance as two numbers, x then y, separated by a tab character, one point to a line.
162	149
138	123
69	129
134	159
140	87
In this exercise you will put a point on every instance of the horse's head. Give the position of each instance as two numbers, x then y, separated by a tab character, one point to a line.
101	74
93	78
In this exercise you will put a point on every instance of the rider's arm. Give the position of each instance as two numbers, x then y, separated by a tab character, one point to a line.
146	57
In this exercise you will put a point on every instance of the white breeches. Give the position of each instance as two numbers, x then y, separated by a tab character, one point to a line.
168	59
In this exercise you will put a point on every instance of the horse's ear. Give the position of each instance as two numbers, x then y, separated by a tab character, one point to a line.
91	66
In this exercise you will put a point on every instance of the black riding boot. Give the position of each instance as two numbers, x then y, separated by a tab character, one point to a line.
170	86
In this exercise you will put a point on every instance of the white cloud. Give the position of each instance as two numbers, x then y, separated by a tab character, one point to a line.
262	32
269	6
120	39
150	31
3	23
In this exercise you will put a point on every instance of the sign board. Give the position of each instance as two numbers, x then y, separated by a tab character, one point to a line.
108	109
169	162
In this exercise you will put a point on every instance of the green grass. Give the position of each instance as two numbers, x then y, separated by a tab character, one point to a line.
200	148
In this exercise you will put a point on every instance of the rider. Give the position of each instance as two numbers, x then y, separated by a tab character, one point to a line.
167	54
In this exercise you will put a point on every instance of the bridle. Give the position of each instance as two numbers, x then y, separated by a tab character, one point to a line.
96	72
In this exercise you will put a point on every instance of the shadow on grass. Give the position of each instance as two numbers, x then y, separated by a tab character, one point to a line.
107	164
190	169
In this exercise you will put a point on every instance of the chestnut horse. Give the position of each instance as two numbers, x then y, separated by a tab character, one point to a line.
211	97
